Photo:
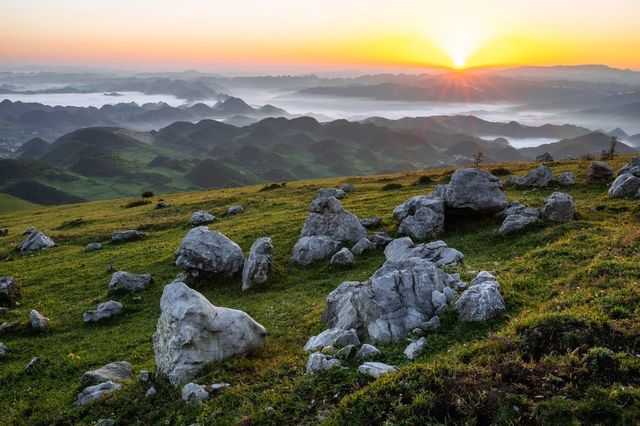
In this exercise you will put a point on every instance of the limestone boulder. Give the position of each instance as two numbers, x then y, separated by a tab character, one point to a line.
558	207
258	267
209	252
474	191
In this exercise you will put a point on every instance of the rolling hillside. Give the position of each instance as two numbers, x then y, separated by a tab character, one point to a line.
564	350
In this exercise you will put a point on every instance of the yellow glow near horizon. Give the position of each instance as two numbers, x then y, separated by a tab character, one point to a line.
290	35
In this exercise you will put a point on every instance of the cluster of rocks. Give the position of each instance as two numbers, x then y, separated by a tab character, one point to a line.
558	207
103	381
627	182
541	177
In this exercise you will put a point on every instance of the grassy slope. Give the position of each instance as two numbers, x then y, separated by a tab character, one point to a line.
587	270
9	204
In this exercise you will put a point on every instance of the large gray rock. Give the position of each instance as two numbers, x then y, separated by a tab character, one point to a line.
126	281
600	171
362	246
35	241
191	333
259	264
201	218
558	207
481	301
115	372
436	251
344	257
318	362
38	321
413	204
334	337
540	177
328	218
209	252
565	179
96	392
632	167
376	369
517	217
474	191
193	392
625	186
105	310
312	249
425	224
330	192
394	301
9	291
127	235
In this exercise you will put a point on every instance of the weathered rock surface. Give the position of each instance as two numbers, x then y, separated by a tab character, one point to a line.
96	392
394	301
632	167
544	158
380	239
201	218
234	210
318	362
312	249
565	179
362	246
191	333
335	337
416	348
558	207
481	301
343	257
127	235
347	187
367	351
376	369
209	252
126	281
259	264
625	186
38	321
436	251
425	222
474	191
35	241
9	291
517	217
105	310
540	177
93	247
328	218
193	392
330	192
413	204
371	222
600	171
115	372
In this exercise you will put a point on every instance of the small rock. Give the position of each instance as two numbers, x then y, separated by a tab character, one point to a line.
126	281
380	239
259	264
371	222
544	158
439	301
346	353
320	362
201	218
3	349
106	422
362	246
347	187
150	392
335	337
8	326
193	392
344	257
38	321
376	369
105	310
93	247
31	365
540	177
96	392
128	235
4	232
162	205
367	351
415	349
433	324
146	376
558	207
35	241
234	210
114	372
9	291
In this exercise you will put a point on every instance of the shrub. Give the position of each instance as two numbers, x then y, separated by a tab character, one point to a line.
392	185
147	194
423	180
500	171
272	186
601	361
136	203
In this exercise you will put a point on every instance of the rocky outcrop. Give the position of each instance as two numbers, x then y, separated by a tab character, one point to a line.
9	291
437	252
191	332
474	191
115	372
126	281
35	240
201	218
128	235
482	300
209	252
105	310
259	264
420	217
558	207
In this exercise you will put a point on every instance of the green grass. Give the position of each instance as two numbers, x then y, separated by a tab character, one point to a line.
10	203
564	352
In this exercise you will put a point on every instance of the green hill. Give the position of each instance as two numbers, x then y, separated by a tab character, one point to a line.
9	203
564	352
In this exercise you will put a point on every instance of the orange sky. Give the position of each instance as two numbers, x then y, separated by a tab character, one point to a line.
286	34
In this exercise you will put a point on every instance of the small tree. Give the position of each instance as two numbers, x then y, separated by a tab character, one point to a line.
612	146
477	159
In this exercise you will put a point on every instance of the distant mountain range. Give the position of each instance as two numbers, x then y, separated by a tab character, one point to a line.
106	162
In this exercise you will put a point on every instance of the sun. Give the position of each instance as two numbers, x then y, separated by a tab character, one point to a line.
459	61
459	39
